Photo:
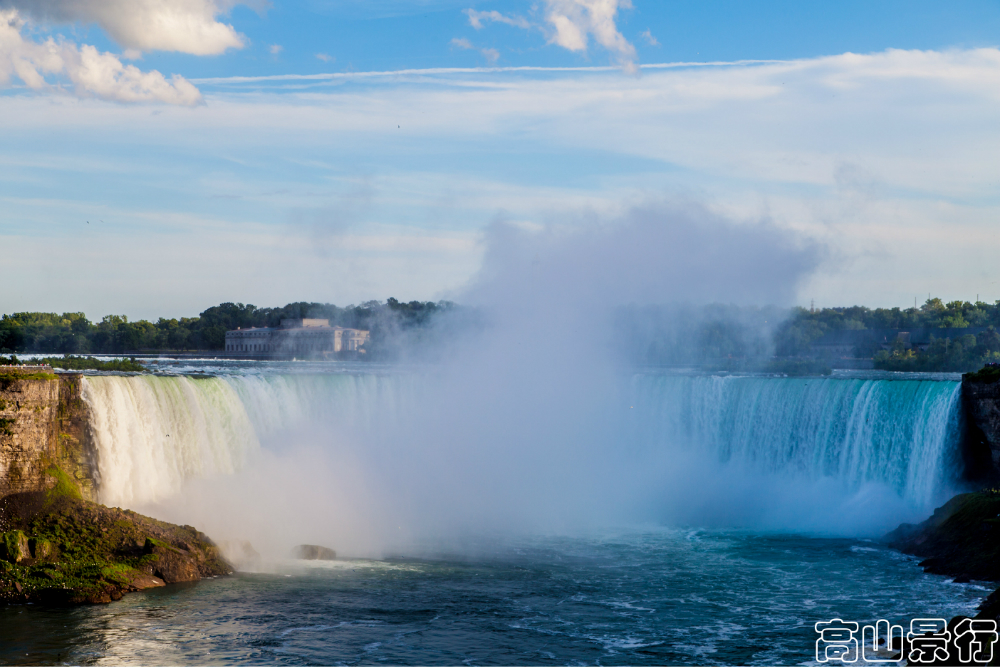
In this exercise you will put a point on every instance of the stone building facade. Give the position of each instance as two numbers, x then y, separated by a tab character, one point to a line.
295	338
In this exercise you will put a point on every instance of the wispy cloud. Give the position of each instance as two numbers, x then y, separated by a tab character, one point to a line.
890	157
491	55
648	36
476	19
571	25
276	49
325	57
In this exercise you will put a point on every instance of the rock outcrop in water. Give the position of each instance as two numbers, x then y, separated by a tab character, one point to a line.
56	547
961	539
313	552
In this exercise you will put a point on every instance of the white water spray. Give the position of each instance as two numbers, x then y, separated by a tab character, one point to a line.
152	434
368	441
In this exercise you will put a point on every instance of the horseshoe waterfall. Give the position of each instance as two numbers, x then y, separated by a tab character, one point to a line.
152	434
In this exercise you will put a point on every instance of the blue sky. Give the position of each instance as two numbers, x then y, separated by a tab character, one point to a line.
341	151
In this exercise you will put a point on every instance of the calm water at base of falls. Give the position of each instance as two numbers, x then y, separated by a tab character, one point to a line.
651	597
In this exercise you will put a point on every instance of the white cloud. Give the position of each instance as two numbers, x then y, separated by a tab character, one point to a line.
276	49
648	36
476	19
188	26
575	21
462	43
91	73
325	57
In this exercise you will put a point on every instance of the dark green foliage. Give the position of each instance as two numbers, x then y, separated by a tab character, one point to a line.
804	326
986	375
964	353
392	325
6	424
944	354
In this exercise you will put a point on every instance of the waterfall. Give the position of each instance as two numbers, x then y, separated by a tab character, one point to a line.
901	433
154	433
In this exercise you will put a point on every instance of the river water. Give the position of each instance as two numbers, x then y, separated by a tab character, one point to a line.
665	576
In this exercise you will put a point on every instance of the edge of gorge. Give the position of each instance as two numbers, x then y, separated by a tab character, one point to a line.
44	421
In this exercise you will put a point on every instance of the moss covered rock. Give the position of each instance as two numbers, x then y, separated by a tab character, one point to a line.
71	551
14	547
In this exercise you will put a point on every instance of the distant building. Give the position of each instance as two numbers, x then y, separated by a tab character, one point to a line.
295	338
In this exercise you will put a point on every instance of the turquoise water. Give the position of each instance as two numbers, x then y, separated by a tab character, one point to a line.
647	597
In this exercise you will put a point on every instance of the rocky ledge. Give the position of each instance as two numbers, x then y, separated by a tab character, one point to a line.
56	547
961	540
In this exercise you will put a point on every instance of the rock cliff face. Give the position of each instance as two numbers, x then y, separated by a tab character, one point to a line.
43	421
981	402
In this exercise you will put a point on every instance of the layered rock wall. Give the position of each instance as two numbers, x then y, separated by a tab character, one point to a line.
43	421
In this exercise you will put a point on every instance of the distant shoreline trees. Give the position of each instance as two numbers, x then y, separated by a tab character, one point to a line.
392	324
966	352
715	336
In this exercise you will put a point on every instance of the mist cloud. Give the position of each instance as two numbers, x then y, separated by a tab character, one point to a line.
658	252
527	425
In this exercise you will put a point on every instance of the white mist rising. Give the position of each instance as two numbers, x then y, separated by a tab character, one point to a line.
525	426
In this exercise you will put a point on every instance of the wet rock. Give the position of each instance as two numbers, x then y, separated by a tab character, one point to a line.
952	542
171	564
141	581
313	552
